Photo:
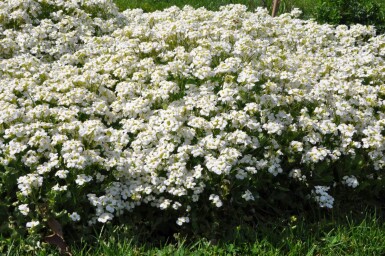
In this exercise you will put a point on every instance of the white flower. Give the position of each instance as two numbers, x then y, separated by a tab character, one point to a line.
297	175
105	217
110	208
273	127
322	197
24	209
216	200
182	220
176	205
100	177
316	154
82	178
28	182
165	204
241	174
74	216
248	196
350	181
32	224
296	146
57	187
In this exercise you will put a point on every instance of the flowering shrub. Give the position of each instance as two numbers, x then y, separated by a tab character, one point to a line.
103	112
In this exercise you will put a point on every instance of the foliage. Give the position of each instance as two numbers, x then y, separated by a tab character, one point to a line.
351	12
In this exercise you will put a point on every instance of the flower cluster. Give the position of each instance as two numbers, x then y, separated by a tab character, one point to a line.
160	108
322	196
350	181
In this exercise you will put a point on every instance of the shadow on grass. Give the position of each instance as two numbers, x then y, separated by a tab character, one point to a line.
347	229
358	230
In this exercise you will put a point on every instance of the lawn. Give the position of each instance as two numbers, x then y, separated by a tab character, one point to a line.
356	234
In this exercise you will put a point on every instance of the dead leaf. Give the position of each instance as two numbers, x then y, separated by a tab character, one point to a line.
57	237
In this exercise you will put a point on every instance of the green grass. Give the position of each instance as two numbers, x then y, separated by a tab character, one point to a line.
153	5
347	237
308	7
354	235
286	5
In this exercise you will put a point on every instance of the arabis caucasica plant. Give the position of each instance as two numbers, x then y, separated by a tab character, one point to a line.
102	111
